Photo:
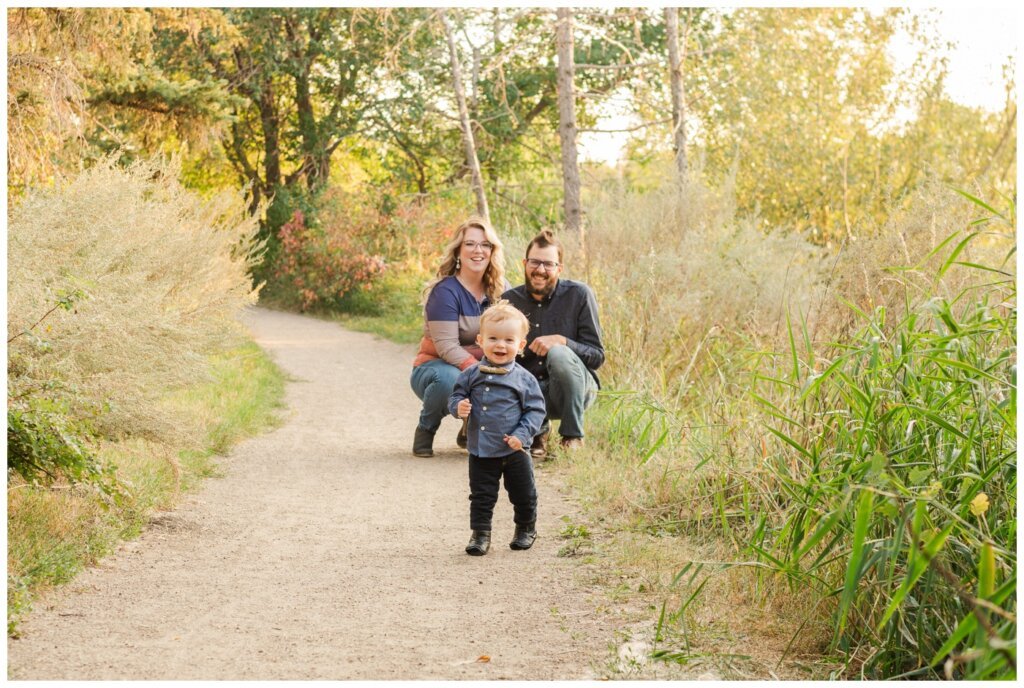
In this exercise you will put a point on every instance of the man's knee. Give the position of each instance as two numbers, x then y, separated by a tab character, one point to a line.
562	360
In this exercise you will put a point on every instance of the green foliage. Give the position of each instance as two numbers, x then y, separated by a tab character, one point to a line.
42	440
810	143
578	539
897	465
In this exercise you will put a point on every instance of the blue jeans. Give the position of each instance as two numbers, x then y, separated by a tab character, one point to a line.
569	390
433	383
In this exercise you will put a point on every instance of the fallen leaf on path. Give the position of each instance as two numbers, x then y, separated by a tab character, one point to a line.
483	659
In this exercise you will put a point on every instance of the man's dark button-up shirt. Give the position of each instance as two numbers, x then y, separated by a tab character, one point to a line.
509	404
569	310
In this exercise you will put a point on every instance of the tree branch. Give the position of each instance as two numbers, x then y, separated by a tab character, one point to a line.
639	126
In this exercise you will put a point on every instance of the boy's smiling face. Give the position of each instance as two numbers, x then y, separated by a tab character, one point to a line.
501	341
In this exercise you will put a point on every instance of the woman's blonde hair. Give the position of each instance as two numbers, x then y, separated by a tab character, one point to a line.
494	276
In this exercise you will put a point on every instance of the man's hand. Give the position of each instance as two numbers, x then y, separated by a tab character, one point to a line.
514	442
542	345
464	408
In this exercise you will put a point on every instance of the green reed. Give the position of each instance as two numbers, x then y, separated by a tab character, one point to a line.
874	476
895	470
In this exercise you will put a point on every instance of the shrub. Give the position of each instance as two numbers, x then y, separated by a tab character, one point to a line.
322	267
331	258
120	283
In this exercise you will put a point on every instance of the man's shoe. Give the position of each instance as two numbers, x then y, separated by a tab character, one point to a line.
423	443
479	543
524	537
462	439
539	449
572	443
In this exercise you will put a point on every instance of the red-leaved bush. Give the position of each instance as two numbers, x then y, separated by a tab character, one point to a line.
323	266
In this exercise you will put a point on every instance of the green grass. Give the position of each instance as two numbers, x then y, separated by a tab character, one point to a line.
892	481
52	533
391	309
240	399
401	327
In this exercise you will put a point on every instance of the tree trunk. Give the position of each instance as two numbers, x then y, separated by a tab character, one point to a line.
312	154
567	122
467	131
676	56
271	136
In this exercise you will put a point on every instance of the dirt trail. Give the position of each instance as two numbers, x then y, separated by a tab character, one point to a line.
326	551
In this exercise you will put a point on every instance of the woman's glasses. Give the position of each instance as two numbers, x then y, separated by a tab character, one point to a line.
484	246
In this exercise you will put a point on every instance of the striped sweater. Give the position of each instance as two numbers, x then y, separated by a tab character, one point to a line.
451	324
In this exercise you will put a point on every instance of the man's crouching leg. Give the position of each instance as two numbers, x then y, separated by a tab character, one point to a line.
571	389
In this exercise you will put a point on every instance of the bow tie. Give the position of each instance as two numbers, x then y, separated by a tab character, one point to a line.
494	370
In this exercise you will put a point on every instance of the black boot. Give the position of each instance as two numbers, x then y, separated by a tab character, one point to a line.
423	442
479	543
525	536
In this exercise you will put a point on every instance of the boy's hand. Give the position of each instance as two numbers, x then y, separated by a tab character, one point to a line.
464	408
514	442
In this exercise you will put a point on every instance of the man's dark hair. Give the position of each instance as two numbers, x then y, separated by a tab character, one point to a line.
543	240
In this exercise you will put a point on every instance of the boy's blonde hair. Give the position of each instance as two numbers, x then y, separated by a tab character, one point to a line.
502	311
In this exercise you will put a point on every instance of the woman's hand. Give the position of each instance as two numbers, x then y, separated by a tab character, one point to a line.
464	408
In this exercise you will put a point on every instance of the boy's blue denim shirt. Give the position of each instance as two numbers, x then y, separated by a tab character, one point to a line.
509	404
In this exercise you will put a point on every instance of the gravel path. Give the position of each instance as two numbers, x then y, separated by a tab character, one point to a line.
326	551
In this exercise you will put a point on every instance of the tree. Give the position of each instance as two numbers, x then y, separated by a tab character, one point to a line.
567	122
84	82
795	99
305	77
675	66
467	130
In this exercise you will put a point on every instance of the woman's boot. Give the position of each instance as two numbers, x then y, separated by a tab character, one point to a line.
423	442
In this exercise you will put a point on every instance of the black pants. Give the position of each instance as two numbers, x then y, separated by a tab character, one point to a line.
484	476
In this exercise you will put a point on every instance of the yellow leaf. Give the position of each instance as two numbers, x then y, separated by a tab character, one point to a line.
483	659
979	505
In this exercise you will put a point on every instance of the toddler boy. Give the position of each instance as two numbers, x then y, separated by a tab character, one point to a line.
505	408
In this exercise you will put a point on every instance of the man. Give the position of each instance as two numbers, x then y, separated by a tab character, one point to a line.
564	348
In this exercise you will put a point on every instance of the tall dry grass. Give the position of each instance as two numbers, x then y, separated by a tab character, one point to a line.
125	370
716	419
151	279
678	270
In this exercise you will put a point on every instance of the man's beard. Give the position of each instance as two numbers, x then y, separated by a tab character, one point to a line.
543	292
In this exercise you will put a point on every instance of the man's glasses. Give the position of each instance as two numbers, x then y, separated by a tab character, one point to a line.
485	246
548	265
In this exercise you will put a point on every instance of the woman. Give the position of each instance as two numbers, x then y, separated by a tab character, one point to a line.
471	277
